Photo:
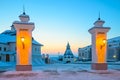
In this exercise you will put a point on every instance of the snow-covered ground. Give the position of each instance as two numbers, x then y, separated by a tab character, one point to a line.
60	72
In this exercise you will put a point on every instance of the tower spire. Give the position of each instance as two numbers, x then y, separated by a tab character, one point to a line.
68	45
99	16
99	22
23	17
23	9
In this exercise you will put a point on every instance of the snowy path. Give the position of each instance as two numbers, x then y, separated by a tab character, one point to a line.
63	72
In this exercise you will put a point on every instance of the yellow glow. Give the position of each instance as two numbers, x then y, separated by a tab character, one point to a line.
101	47
23	54
104	41
53	45
114	56
53	48
22	39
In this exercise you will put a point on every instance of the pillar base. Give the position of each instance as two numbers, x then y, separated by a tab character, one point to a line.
99	66
23	67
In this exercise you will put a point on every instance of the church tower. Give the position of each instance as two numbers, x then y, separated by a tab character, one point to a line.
68	55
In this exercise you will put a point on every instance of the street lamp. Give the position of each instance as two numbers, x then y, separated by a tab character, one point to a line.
22	40
114	56
103	43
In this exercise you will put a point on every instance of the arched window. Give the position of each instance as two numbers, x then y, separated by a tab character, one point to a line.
5	49
35	49
0	48
15	48
0	57
7	57
68	56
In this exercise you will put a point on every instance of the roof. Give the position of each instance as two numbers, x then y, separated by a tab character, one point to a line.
24	15
68	50
8	52
115	39
26	23
36	43
6	38
10	36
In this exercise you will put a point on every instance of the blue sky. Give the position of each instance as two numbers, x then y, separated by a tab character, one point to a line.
60	21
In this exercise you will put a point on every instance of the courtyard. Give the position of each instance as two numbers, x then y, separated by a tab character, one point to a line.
61	72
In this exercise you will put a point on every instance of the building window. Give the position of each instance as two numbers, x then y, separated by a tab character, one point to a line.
15	48
110	45
38	49
35	49
7	57
5	49
0	58
0	48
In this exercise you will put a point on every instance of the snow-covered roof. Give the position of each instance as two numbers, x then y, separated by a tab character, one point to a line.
10	36
18	22
37	43
115	39
68	50
4	38
24	15
8	52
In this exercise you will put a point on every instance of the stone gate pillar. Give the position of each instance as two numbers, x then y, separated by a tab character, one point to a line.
24	30
99	45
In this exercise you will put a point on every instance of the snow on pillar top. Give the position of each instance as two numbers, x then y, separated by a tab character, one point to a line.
99	23
24	18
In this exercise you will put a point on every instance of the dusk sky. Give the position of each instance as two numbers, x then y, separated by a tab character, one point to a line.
60	21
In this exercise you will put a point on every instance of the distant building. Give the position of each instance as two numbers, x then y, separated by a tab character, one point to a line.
68	55
8	47
84	54
60	57
113	50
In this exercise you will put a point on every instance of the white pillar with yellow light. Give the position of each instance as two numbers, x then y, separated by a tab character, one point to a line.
24	30
99	45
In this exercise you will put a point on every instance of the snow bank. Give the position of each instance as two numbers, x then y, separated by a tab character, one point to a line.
63	72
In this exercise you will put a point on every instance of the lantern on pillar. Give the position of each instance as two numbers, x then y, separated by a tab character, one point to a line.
22	40
103	43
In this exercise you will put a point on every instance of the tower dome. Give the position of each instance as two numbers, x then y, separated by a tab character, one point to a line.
24	18
99	22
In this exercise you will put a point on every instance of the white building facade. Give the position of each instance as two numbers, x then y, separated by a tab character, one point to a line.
113	52
84	53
